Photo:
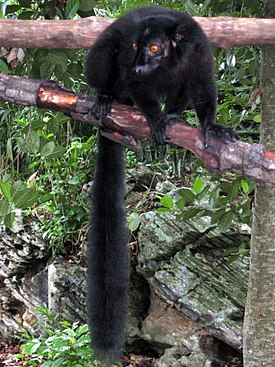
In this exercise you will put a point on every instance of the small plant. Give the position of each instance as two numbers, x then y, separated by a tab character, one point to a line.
223	202
234	253
63	344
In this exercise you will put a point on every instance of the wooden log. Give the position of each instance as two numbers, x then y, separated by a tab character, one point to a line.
222	32
125	122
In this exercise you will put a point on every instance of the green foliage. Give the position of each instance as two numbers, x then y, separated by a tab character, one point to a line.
238	76
222	7
46	158
224	202
14	195
133	221
234	253
62	345
55	175
65	65
63	211
27	9
3	67
199	9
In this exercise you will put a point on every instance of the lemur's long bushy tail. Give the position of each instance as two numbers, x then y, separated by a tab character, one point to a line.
108	258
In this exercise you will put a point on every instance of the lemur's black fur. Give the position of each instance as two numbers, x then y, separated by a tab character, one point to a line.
148	55
108	261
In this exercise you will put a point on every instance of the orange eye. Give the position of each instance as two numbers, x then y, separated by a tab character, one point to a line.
154	48
134	45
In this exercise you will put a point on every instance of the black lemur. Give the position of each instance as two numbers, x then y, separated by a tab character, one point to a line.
151	54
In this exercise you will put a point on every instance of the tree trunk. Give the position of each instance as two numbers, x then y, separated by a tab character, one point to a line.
259	324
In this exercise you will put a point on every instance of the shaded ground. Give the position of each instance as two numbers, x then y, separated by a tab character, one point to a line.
133	361
7	351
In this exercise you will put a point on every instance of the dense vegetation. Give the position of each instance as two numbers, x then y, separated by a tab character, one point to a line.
46	158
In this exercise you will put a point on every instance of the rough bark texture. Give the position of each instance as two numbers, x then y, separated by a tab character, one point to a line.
249	159
259	327
80	33
221	31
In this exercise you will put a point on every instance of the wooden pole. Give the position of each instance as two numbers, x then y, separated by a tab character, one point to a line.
222	32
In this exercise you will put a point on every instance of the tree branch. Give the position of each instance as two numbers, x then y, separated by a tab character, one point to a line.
125	122
222	32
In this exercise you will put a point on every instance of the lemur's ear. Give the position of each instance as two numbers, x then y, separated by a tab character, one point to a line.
176	39
177	35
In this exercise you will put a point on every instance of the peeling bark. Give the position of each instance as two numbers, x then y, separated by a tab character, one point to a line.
126	122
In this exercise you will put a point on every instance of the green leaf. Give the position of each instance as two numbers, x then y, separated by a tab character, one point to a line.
25	15
232	194
47	149
163	210
6	190
58	57
188	195
25	198
206	192
216	215
57	153
246	211
57	363
61	70
71	8
46	69
206	4
73	180
190	7
181	203
75	70
4	207
167	202
257	118
17	185
9	219
9	149
33	142
231	190
82	329
21	144
12	9
189	213
232	259
73	56
225	221
198	185
133	221
242	250
3	66
29	144
25	3
245	187
86	5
